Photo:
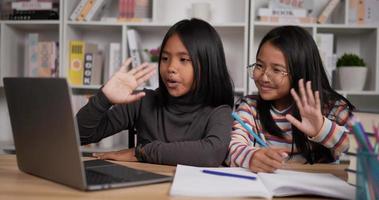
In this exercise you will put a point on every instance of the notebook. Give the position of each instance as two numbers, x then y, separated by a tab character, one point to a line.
193	182
47	140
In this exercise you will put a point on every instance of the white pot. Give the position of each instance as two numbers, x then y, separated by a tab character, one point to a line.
352	78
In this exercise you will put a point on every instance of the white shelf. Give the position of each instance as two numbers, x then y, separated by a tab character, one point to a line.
235	21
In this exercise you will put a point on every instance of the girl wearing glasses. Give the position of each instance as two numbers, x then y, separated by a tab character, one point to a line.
186	120
296	112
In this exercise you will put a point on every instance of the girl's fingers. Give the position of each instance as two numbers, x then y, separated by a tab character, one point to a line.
124	66
135	70
144	71
136	96
317	99
311	97
104	156
146	77
262	164
303	95
141	70
293	121
297	100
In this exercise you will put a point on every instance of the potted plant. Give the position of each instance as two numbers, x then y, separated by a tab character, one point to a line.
352	72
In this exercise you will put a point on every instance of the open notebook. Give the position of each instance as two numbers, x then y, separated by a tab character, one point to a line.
191	181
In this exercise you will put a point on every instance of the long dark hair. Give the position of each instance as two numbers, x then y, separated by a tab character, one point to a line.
214	86
304	62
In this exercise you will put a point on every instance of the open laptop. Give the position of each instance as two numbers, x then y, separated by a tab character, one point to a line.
47	143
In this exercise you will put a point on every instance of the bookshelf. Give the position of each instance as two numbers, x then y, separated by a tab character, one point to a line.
361	39
236	21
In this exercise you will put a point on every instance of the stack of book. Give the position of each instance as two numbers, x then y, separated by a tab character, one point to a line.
279	12
89	10
135	10
34	10
41	57
85	64
363	12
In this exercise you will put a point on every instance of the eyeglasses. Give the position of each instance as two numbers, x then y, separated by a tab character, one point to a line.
257	70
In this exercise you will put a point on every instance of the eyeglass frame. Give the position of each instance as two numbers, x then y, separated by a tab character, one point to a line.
252	67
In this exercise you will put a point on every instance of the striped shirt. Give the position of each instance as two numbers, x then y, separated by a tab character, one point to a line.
242	147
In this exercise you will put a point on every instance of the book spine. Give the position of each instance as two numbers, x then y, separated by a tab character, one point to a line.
114	58
31	62
97	69
76	67
282	12
96	8
327	11
133	41
34	15
288	19
88	67
32	5
85	10
361	12
46	60
75	14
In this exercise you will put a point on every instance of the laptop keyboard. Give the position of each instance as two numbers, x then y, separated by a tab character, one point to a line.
97	178
103	172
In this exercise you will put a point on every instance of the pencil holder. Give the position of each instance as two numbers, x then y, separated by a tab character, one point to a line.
367	175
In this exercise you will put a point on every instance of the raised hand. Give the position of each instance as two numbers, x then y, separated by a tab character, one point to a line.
120	87
310	110
122	155
268	159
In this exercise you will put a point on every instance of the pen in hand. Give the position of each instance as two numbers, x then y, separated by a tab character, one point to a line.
228	174
259	140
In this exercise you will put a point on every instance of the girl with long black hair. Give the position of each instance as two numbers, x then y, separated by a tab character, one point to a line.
297	113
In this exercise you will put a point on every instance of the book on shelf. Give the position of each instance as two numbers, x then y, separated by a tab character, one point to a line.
34	15
97	9
193	182
327	11
47	56
113	60
76	60
325	43
93	63
86	9
363	12
135	10
76	12
32	5
296	12
41	57
134	45
288	19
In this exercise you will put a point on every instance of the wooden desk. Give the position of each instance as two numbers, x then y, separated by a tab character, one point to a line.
15	184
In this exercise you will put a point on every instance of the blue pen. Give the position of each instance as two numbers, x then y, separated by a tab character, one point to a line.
228	174
259	140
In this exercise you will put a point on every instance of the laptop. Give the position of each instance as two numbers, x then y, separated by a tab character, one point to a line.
47	140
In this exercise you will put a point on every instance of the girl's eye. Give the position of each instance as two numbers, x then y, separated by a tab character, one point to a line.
258	66
185	60
278	71
164	58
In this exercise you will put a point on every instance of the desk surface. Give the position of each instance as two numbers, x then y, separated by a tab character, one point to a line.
15	184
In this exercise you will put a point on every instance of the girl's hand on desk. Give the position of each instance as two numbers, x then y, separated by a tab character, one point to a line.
122	155
310	110
119	89
268	159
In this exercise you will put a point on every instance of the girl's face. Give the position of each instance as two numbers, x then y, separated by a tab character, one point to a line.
176	69
271	76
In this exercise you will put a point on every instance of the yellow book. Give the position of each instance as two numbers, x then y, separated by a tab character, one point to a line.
86	10
76	66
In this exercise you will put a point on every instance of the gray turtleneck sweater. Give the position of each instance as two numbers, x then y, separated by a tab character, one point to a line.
179	133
